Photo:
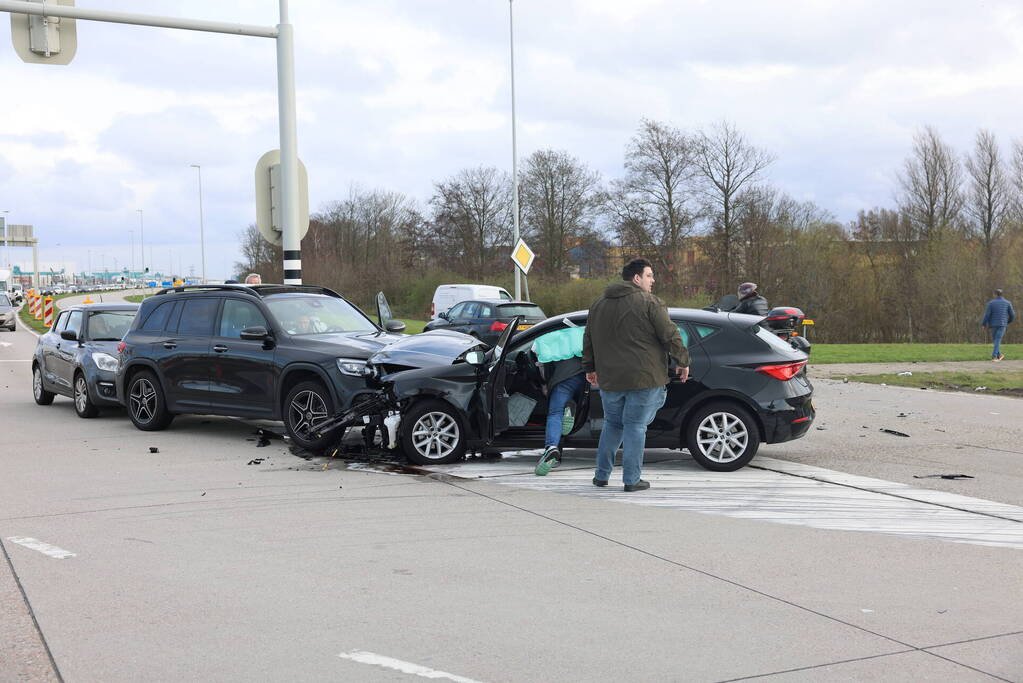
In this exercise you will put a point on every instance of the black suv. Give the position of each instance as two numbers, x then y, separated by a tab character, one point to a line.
279	352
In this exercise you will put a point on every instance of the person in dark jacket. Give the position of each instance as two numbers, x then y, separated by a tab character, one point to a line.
750	301
628	341
998	315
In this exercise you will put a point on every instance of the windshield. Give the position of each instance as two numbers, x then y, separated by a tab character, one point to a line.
525	310
4	301
316	314
109	325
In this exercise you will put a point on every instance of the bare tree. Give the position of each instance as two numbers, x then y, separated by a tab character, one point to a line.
988	198
258	256
558	200
472	210
931	185
727	164
652	207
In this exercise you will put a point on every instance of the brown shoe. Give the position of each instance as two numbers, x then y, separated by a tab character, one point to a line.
1001	356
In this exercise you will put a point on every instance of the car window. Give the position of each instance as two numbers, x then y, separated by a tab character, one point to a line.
456	311
705	330
505	296
61	322
237	316
4	301
474	310
486	311
157	319
198	316
74	322
525	310
109	325
684	331
317	314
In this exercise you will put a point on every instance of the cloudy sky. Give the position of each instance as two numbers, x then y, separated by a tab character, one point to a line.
401	93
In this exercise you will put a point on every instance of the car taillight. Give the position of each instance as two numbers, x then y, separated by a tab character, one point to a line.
784	371
433	310
121	347
498	326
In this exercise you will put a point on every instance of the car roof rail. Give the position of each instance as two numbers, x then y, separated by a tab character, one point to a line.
267	290
229	288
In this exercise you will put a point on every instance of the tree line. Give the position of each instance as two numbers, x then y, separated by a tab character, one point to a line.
701	206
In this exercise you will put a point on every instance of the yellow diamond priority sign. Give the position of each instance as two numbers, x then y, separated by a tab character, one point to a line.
523	256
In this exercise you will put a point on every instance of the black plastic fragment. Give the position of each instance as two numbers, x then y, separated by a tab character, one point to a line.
895	433
942	476
154	449
256	461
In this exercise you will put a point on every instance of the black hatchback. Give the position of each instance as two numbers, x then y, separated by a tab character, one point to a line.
486	320
745	387
277	352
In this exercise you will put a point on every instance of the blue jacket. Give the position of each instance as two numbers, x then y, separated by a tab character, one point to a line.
999	313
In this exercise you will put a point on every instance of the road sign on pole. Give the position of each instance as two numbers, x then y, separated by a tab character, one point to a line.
523	256
45	39
269	198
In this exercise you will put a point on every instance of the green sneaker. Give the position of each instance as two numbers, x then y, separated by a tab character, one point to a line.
568	419
548	461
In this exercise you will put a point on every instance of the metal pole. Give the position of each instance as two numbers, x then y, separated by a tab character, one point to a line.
142	243
515	154
289	148
202	230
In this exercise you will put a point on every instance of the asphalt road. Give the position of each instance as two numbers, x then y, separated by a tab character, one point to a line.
216	559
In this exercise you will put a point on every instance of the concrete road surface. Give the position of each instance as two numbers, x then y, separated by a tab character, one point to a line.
216	559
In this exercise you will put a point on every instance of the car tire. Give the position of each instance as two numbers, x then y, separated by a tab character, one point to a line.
722	436
83	402
432	434
306	403
39	392
147	405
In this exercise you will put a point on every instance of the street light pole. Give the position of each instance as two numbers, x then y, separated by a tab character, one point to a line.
202	231
142	243
289	148
515	154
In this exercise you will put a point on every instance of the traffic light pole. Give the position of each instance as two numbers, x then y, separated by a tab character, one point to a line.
283	33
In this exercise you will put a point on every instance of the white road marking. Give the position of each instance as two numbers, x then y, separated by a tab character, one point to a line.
6	344
777	491
374	659
45	548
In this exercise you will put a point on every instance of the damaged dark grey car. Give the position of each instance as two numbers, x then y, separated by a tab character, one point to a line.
746	387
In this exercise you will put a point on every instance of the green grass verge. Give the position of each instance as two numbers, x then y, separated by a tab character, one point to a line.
1009	383
412	326
30	322
906	353
135	298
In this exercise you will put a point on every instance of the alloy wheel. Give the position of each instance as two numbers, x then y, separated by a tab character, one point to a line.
435	435
37	384
722	437
307	410
142	400
81	394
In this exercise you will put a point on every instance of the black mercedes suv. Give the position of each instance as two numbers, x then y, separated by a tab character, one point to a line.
279	352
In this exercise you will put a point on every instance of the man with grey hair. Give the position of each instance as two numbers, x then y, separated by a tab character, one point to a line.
998	315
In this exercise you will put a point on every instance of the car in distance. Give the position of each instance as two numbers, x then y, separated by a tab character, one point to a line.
77	358
485	320
446	296
278	352
7	313
745	387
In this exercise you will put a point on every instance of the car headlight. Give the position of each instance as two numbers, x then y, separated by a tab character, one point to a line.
351	366
104	361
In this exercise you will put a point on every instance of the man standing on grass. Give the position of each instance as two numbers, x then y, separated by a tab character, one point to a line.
998	315
628	341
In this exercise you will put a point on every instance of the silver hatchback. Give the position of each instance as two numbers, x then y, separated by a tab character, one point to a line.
7	313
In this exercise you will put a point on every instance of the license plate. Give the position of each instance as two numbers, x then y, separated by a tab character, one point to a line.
523	327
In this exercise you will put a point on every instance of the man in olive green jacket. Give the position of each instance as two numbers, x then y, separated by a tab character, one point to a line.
628	341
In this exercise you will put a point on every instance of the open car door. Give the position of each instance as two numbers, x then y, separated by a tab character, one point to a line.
495	398
387	322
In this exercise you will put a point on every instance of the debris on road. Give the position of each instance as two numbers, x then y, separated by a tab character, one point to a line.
821	428
902	415
980	389
154	449
256	461
893	432
942	476
907	373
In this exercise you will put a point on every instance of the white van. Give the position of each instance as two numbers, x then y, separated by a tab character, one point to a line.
447	296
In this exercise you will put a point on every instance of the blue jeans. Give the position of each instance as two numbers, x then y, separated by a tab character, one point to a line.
626	416
561	394
996	334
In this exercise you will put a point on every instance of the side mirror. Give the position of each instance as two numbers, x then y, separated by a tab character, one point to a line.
443	315
69	335
395	326
476	358
254	333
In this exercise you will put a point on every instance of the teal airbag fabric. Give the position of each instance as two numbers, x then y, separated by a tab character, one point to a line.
559	345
